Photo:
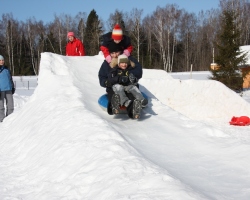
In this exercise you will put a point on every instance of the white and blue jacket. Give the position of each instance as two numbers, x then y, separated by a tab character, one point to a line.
6	82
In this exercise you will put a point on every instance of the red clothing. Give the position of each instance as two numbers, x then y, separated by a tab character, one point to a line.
125	44
106	52
75	48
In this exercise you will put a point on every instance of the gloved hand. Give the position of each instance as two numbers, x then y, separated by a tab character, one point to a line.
13	90
126	52
123	79
114	62
108	58
108	84
132	78
113	78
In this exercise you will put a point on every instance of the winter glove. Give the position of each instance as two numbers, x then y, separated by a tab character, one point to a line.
13	90
113	62
113	78
123	79
132	78
108	84
108	58
126	52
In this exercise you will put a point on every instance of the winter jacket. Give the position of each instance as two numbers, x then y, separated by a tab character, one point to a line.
106	40
75	48
106	69
6	82
116	72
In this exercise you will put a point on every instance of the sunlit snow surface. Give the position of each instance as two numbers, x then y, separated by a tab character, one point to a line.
59	143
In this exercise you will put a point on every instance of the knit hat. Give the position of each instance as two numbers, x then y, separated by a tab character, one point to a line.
113	47
117	32
71	34
122	59
1	57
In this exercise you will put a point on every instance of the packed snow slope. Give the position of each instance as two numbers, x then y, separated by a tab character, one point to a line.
62	145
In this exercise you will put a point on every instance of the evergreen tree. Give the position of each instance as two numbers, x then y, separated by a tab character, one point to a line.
51	44
21	56
24	66
229	57
92	34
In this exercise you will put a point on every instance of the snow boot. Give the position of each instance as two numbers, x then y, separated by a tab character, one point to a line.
115	103
144	102
137	109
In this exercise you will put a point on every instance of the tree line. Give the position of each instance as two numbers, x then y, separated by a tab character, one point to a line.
169	38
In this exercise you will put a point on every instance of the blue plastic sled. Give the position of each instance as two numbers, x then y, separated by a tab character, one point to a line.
103	102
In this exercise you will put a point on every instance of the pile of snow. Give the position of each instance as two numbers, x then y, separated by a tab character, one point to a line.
61	145
198	99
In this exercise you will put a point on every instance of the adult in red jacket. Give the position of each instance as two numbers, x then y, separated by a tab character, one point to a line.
74	46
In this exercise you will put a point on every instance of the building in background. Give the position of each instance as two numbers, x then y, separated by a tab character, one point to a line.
245	67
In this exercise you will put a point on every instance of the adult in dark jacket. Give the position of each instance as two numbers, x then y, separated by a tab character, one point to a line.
117	37
104	72
74	46
7	90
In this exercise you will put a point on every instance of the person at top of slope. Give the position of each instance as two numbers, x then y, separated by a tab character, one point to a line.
7	90
108	78
115	36
74	46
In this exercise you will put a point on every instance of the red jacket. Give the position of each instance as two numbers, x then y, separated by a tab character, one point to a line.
75	48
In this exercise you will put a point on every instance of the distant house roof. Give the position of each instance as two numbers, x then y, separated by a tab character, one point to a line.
246	49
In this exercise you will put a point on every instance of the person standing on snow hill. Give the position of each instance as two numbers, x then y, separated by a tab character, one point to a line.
115	36
7	90
104	74
74	46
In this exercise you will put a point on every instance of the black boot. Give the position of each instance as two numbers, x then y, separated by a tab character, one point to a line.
115	103
136	109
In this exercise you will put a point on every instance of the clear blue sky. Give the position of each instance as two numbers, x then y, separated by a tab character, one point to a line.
46	9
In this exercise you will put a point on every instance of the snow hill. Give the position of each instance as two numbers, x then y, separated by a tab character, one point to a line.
62	145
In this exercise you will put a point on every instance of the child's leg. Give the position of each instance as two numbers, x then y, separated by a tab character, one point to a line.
2	110
119	89
135	92
9	102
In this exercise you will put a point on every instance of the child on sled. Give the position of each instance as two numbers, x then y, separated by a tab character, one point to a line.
123	83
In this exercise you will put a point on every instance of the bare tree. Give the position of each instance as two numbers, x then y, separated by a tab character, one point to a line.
59	32
117	17
164	28
33	35
11	37
148	33
81	18
9	43
242	8
134	26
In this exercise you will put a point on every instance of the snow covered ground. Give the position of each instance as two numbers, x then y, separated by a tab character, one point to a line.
59	144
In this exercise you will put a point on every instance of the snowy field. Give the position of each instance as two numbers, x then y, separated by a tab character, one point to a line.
59	144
